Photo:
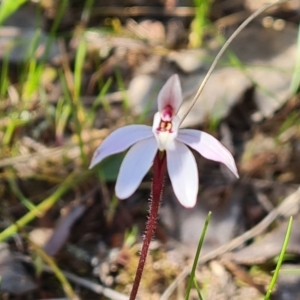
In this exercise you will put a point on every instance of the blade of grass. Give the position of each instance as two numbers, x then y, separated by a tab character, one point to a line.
101	98
291	120
202	8
296	75
79	63
195	263
197	288
59	15
76	107
86	12
49	109
8	7
33	79
62	114
79	113
15	189
56	270
237	63
122	88
31	73
10	129
280	260
45	205
4	78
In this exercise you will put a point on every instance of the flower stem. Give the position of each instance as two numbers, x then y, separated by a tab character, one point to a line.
159	168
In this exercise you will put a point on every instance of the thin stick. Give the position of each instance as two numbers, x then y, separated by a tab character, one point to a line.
86	283
224	47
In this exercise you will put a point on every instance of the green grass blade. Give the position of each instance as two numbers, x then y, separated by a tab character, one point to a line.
201	20
195	263
62	114
280	260
296	75
79	62
61	11
85	16
101	97
15	189
197	288
56	270
4	76
8	7
70	181
10	129
122	88
79	112
100	100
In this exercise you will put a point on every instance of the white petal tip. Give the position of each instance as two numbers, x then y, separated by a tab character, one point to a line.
121	197
123	193
93	163
189	206
235	172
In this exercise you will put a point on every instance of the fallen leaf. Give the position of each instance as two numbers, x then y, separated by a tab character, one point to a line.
14	278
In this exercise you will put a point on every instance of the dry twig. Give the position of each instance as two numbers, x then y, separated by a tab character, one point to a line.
88	284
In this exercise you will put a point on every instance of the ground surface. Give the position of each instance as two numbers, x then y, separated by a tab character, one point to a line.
104	64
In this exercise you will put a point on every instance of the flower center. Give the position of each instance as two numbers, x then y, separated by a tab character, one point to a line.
164	126
165	131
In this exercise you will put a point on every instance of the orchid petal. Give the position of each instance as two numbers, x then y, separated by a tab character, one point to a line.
183	173
208	146
170	94
120	140
134	167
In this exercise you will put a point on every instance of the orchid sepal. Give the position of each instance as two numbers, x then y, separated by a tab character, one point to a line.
120	140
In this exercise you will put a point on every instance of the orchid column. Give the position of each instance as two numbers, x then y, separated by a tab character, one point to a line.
164	145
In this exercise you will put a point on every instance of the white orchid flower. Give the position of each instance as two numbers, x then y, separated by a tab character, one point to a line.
164	135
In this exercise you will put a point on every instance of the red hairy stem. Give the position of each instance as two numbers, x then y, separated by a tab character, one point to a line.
159	169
